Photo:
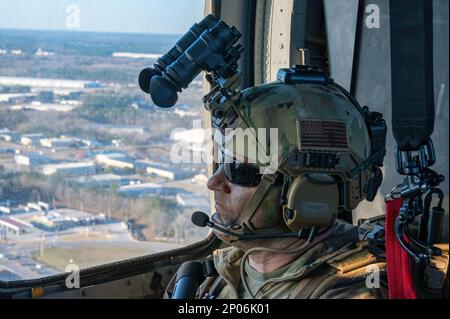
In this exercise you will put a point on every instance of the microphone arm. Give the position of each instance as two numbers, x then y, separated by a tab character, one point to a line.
201	219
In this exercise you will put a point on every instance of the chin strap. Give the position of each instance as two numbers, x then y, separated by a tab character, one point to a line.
243	225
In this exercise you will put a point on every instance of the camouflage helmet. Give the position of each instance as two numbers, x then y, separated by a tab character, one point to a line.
305	127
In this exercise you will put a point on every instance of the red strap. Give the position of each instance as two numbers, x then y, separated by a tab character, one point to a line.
399	267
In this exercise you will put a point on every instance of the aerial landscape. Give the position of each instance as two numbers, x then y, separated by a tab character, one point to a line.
85	155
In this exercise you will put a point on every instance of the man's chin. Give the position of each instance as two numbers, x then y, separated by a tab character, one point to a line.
218	219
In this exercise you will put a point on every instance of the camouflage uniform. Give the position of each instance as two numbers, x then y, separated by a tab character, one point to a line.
320	130
335	268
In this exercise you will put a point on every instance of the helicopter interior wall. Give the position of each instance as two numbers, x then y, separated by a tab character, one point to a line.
372	87
366	71
341	18
238	13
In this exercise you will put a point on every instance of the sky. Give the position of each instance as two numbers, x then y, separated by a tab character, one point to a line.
136	16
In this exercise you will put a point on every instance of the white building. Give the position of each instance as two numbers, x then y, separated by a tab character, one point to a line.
9	136
131	55
115	160
120	129
14	210
44	107
193	200
48	83
15	225
31	139
41	52
153	168
62	219
194	136
16	97
31	160
201	179
102	180
39	206
69	169
59	143
141	190
168	172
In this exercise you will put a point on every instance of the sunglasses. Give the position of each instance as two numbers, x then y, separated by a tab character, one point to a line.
242	174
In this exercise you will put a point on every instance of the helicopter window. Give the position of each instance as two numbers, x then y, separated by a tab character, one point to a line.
86	172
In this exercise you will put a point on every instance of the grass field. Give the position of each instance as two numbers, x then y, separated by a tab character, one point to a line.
86	257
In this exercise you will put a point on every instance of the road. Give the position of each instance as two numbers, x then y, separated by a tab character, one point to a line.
17	256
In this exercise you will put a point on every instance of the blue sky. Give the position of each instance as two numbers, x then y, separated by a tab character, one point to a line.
143	16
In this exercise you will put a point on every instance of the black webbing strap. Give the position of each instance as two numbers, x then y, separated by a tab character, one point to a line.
413	110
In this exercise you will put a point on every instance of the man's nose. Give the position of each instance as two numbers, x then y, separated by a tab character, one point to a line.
218	182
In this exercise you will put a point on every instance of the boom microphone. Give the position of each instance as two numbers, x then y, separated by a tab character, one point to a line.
201	219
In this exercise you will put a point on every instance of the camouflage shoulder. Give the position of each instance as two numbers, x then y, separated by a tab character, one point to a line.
356	290
229	254
358	273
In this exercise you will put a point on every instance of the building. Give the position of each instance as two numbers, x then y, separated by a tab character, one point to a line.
169	172
31	139
16	98
6	150
39	207
147	189
192	140
44	107
9	136
63	219
14	225
100	181
69	169
59	143
119	130
161	170
201	179
31	160
191	200
41	52
131	55
91	143
115	160
194	136
7	209
48	83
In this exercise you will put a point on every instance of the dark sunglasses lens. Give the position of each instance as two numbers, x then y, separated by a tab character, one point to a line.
242	174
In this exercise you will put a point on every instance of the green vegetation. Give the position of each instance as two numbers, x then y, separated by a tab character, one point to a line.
154	217
85	257
162	213
46	96
11	119
113	108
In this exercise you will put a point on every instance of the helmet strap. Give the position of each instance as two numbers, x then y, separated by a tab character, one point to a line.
243	224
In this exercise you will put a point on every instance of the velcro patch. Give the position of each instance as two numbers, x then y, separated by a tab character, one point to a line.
349	262
317	134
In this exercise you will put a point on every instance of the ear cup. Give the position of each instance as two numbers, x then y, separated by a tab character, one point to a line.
312	200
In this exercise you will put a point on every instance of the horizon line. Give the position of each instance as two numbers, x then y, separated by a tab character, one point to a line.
88	31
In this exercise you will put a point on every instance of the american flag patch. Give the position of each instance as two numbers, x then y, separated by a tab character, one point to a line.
322	134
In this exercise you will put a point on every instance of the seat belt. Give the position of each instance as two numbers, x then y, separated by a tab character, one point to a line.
413	110
413	114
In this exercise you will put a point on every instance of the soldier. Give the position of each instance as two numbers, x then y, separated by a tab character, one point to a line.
289	242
